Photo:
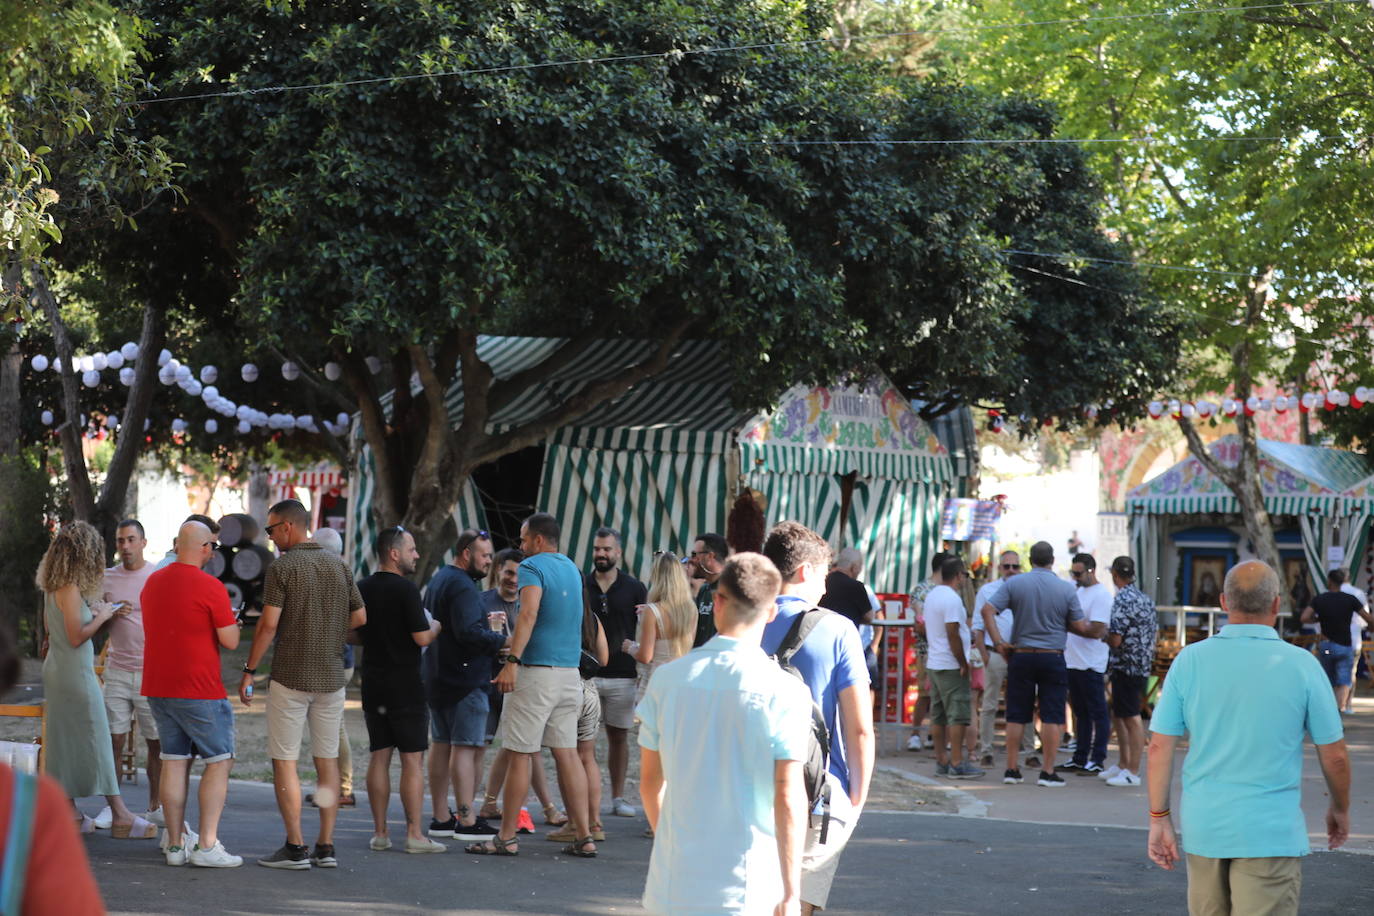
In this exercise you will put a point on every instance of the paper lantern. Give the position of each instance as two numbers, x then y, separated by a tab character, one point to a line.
111	421
1188	410
333	371
46	417
374	365
193	388
184	373
100	362
244	427
126	376
90	379
212	426
1359	397
164	357
57	364
1342	398
114	359
1205	409
1156	409
209	393
341	419
1265	404
208	375
290	371
166	376
248	372
304	422
1281	404
178	426
39	363
129	351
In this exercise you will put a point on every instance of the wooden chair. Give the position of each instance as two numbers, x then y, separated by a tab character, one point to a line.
38	712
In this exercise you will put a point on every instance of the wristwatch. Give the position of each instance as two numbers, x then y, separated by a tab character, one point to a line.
510	658
247	670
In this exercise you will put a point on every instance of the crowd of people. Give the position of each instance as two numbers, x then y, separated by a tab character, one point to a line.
775	649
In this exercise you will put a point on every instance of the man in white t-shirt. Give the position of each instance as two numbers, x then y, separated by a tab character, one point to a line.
947	633
123	677
1086	660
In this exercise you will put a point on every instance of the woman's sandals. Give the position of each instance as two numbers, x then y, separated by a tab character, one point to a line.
579	848
495	847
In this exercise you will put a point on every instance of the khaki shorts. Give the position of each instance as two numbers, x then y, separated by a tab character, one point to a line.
819	863
542	710
617	700
287	713
1268	886
951	699
589	720
124	701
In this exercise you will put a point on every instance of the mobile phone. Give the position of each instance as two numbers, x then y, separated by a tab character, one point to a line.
248	691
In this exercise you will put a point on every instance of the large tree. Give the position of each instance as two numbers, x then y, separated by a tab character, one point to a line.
1234	148
438	181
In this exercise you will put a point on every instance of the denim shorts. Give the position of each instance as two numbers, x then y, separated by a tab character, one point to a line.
463	723
202	727
1336	662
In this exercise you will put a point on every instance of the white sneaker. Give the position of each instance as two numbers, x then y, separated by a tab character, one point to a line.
189	838
913	743
214	857
379	843
175	855
1111	772
104	818
155	817
1124	778
621	808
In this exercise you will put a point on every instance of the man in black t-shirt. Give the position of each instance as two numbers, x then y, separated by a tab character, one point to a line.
393	696
709	553
1333	610
844	593
613	596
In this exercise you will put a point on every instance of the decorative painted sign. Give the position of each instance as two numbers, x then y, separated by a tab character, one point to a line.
875	418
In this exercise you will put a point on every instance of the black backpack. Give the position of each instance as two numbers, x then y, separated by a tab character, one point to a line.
817	761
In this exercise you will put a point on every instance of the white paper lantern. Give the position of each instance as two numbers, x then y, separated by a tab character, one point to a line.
126	376
184	373
193	388
1252	403
1281	404
1188	410
129	351
209	393
244	427
57	364
178	425
146	424
209	375
39	363
341	420
46	417
290	371
114	359
374	365
1265	404
112	421
1204	409
90	379
212	426
333	371
248	372
100	362
305	421
1156	408
164	357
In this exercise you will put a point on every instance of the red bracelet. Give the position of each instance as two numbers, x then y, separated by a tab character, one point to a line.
1164	813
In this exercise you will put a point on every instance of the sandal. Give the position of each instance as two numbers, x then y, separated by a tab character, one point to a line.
598	833
553	817
140	829
495	847
490	810
578	848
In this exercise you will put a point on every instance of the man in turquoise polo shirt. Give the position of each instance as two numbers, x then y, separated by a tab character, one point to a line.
1245	698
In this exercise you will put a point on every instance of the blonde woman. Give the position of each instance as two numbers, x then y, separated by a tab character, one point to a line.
78	752
667	624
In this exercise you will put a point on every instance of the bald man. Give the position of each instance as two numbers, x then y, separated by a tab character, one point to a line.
186	621
1246	699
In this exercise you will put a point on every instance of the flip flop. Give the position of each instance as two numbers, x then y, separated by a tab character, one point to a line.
496	847
140	829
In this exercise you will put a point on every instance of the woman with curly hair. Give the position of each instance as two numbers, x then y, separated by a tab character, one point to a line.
79	755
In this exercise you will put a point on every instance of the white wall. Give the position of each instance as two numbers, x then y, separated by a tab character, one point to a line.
1045	505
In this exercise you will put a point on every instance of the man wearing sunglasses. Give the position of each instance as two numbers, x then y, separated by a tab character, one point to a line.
994	665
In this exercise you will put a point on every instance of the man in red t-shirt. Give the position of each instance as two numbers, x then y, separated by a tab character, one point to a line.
186	619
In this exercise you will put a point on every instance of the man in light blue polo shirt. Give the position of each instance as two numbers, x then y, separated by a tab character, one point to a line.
745	857
1245	698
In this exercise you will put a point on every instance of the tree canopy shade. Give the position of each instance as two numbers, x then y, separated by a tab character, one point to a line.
659	197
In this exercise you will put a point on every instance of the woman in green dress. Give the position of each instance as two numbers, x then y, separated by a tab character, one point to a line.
78	752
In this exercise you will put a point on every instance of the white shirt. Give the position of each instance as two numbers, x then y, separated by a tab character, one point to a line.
1004	618
1090	654
943	605
720	717
1356	621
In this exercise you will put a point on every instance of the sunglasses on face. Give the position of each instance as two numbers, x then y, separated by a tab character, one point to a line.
268	529
1011	565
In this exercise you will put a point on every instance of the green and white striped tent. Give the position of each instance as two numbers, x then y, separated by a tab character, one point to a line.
662	462
1319	487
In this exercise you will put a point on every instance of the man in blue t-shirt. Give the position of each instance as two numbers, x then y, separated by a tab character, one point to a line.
831	661
1246	699
543	690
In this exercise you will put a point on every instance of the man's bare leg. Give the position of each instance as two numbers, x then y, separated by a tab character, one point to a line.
617	758
572	782
173	799
1013	744
379	788
464	774
287	783
439	754
327	788
155	773
214	789
513	792
413	793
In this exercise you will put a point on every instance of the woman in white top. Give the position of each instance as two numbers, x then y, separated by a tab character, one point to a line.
667	624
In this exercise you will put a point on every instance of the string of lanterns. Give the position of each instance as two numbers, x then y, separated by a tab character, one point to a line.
172	371
1229	407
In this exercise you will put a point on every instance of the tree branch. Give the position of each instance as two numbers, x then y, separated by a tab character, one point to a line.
73	460
476	376
507	390
1228	476
129	444
313	378
369	405
436	426
596	393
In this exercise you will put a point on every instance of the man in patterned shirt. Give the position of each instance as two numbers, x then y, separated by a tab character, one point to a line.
310	603
1131	634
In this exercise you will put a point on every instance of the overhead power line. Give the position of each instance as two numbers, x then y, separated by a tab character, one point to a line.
678	53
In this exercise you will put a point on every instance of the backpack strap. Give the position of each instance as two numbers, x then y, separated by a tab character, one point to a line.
18	840
801	628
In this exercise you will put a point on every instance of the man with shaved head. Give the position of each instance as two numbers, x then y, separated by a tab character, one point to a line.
186	621
1246	698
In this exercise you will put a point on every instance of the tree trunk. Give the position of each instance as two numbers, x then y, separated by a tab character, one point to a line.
10	364
73	422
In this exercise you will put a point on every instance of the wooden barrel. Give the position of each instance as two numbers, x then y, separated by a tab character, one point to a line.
237	529
218	564
250	562
235	594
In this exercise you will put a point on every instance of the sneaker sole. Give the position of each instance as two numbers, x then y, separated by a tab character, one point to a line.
417	850
215	864
448	834
1050	785
967	775
1008	781
292	866
325	863
473	837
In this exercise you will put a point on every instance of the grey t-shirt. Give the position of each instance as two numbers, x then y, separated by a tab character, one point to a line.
492	602
1043	605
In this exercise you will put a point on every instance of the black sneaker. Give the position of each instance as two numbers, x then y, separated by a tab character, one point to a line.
1012	777
323	856
289	856
476	832
1071	765
1090	769
1050	780
443	828
1032	761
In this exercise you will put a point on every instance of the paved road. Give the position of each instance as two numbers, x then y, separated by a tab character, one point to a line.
896	864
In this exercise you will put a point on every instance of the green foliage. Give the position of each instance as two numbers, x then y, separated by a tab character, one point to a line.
27	500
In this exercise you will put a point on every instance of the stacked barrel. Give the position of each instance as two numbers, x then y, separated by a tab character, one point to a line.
241	563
